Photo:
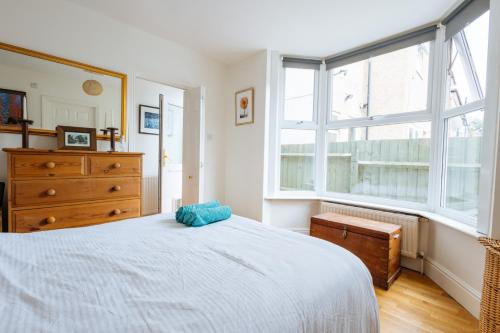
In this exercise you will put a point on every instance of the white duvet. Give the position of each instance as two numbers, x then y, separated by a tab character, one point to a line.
153	275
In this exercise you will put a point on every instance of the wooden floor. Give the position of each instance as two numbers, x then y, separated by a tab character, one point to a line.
416	304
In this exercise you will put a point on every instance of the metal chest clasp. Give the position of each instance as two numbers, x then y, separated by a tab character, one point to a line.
344	234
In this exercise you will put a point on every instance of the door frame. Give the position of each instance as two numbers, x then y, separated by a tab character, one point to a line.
133	125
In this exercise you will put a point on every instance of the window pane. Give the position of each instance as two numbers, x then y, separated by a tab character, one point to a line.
297	160
390	161
349	91
468	52
465	134
299	94
391	83
399	81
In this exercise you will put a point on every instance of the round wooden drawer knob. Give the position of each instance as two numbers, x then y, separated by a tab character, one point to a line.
117	212
50	220
51	192
117	188
50	165
117	165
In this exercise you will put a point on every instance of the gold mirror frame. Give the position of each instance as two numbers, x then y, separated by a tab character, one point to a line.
67	62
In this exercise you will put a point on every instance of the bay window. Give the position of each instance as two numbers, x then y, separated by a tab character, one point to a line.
398	122
463	117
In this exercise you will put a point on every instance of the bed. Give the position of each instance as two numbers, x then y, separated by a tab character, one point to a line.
151	274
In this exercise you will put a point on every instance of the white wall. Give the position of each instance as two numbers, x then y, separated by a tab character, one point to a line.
74	32
245	145
291	214
489	208
455	261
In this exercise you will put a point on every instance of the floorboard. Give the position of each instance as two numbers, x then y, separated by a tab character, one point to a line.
416	304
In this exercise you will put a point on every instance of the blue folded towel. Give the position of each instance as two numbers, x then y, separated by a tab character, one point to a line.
181	212
206	216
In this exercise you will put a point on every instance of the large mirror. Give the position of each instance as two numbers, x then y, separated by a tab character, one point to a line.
54	91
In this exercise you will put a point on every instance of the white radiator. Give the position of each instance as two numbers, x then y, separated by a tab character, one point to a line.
409	223
149	195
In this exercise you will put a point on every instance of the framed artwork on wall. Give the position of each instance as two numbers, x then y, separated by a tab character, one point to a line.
149	119
12	106
244	112
76	138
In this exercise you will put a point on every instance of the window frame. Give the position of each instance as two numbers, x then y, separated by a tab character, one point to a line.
394	118
300	124
443	117
425	115
296	125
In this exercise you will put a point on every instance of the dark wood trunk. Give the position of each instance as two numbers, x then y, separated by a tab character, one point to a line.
377	244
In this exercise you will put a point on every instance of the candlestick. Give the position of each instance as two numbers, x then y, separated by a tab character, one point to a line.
25	131
112	131
25	107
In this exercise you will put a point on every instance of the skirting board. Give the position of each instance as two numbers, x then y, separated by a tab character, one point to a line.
457	288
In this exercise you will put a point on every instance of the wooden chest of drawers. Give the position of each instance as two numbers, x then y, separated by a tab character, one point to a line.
377	244
63	189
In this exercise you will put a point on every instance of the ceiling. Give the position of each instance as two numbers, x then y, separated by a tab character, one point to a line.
230	30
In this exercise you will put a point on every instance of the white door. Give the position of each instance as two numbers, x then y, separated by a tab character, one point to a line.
193	154
57	111
172	153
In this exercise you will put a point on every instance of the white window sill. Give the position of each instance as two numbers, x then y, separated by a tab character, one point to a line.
451	223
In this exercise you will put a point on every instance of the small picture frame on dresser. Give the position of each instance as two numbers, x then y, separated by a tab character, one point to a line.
76	138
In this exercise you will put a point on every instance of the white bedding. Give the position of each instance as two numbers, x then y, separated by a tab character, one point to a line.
154	275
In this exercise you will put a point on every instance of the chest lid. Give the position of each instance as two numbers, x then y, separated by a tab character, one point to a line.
357	225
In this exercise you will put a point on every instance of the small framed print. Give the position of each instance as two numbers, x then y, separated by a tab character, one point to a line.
149	119
244	107
12	106
76	138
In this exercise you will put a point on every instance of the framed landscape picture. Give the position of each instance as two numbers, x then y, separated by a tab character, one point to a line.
76	138
149	120
244	107
12	105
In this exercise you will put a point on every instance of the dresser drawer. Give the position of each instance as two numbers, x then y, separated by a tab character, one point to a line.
74	215
115	166
48	165
53	191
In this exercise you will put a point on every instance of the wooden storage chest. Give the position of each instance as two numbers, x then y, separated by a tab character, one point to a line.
377	244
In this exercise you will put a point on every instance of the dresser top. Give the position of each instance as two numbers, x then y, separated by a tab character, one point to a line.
55	151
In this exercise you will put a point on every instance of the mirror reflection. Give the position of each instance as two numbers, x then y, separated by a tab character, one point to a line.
52	94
